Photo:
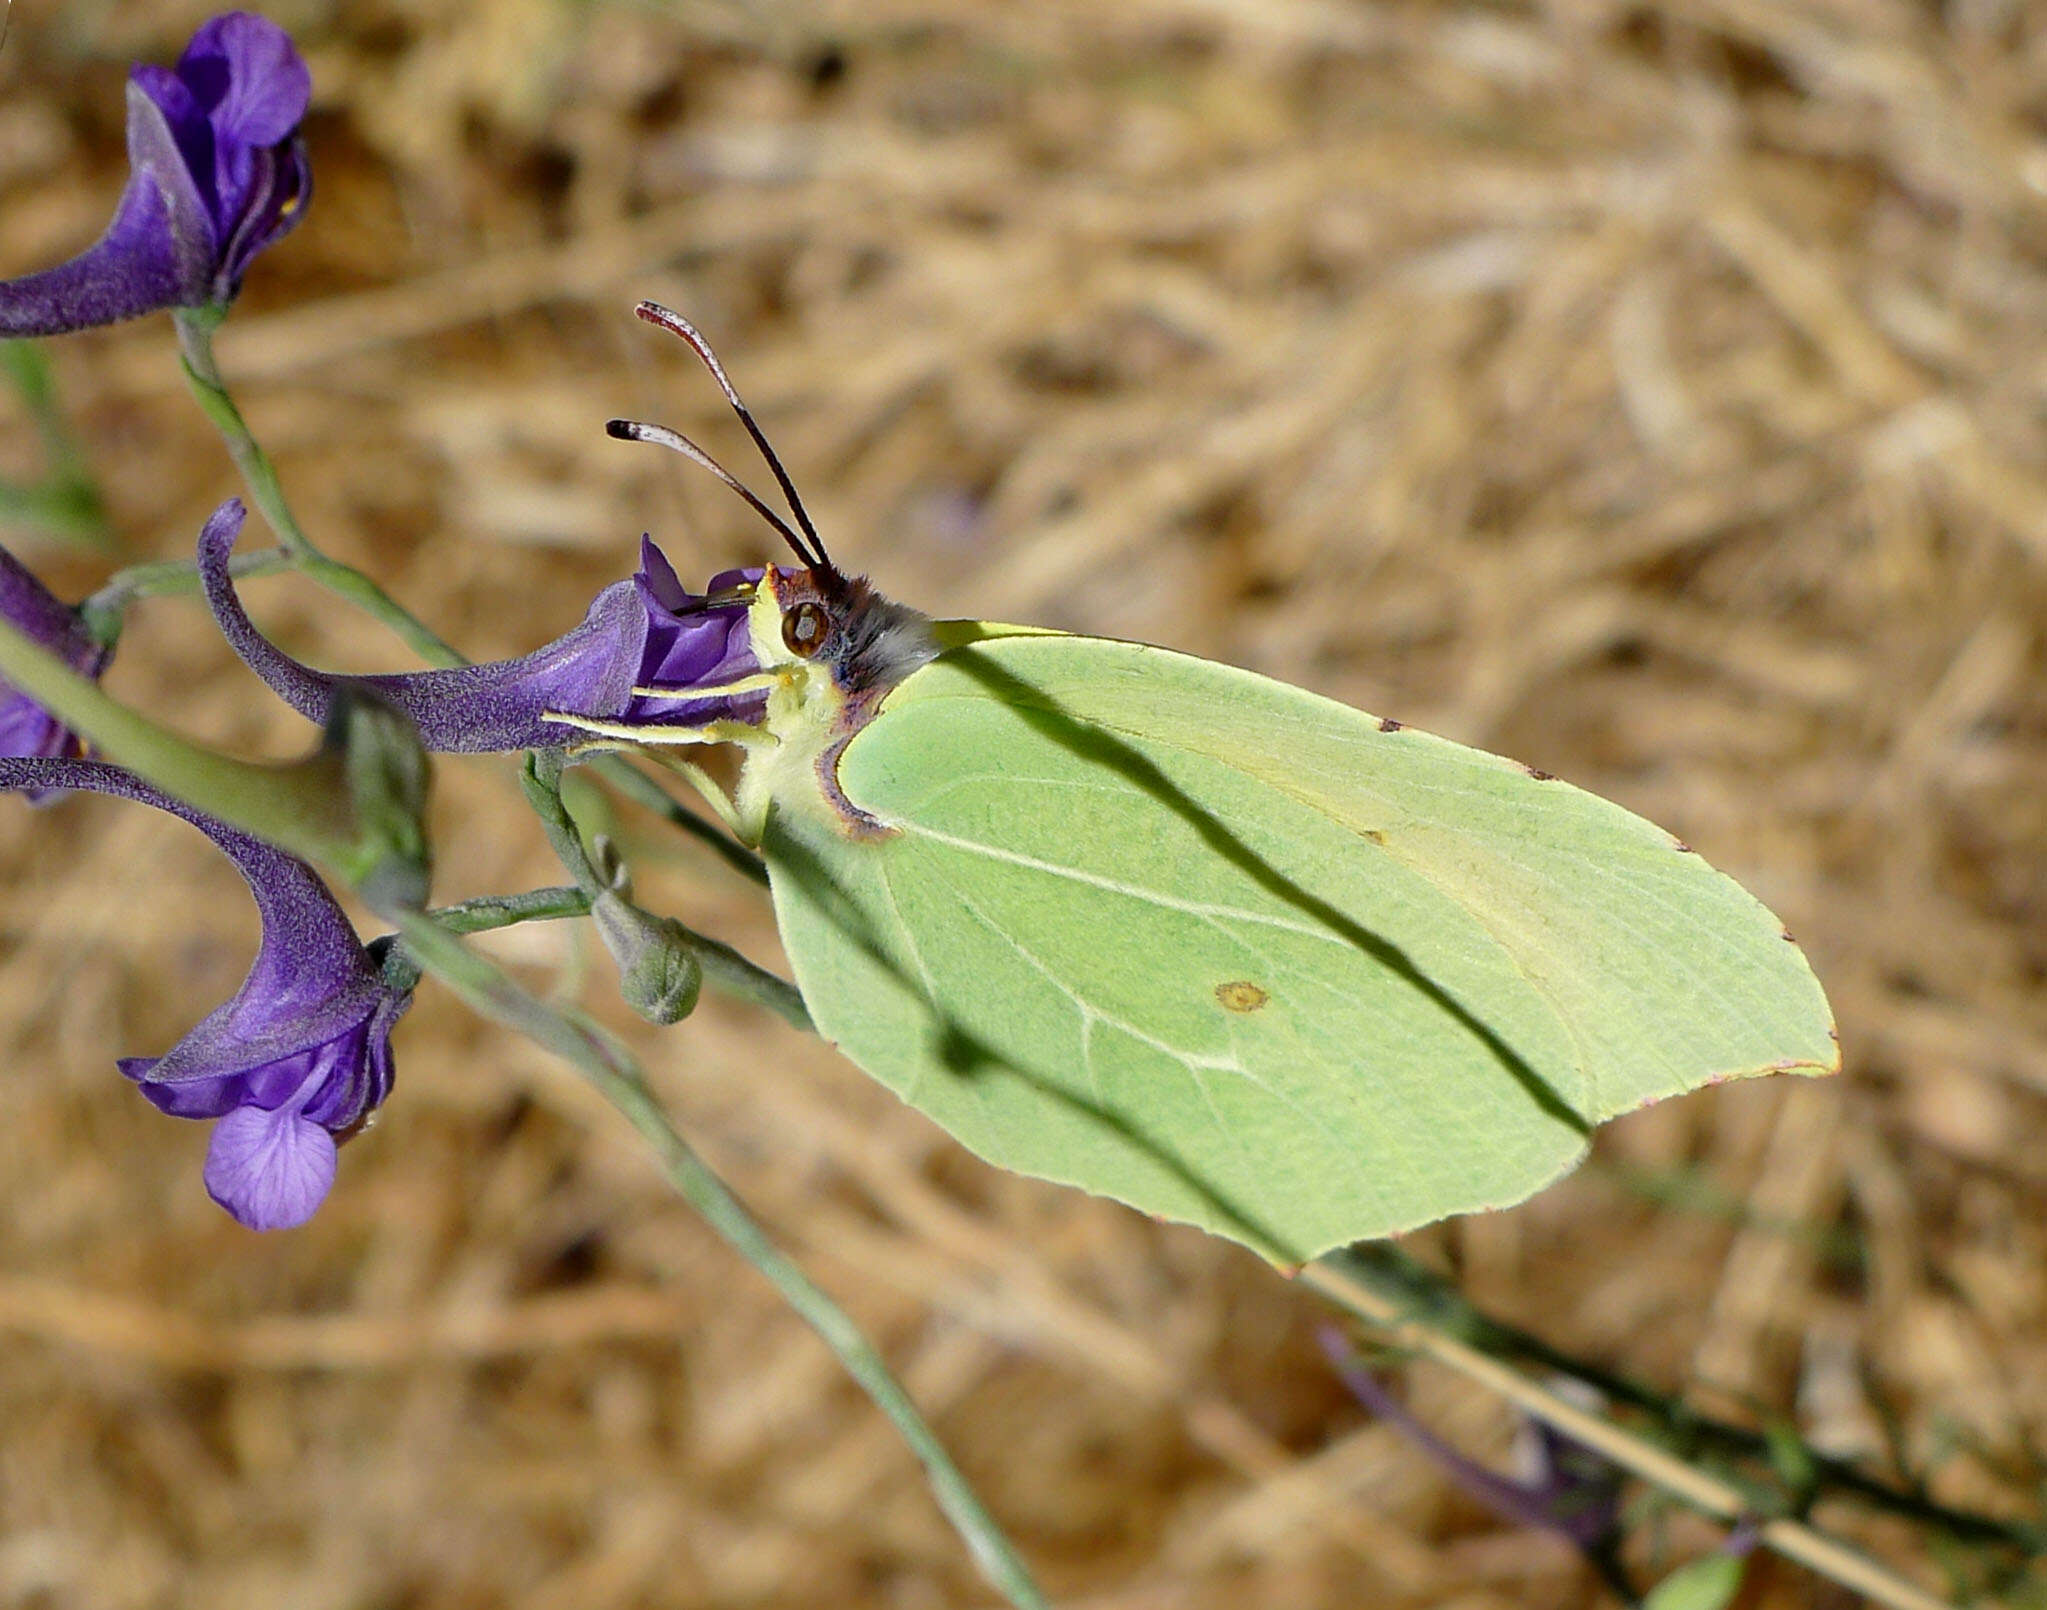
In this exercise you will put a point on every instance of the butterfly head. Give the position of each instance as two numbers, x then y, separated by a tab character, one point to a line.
824	627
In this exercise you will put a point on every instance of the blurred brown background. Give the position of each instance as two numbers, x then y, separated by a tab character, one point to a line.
1652	391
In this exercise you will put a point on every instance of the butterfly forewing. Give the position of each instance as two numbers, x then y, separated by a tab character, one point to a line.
1236	955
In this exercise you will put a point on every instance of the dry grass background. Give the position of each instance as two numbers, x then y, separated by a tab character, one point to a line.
1654	391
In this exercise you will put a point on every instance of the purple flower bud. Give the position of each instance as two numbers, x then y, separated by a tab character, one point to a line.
644	633
26	728
217	172
301	1055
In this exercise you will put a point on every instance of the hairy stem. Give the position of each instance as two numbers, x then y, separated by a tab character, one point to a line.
300	808
162	578
490	911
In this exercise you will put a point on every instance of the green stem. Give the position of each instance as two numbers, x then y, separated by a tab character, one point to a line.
731	973
492	993
195	336
540	778
303	808
162	578
490	911
1425	1297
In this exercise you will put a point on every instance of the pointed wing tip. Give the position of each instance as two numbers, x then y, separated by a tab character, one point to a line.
1804	1067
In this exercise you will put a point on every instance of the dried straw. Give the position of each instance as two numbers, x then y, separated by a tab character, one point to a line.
1654	393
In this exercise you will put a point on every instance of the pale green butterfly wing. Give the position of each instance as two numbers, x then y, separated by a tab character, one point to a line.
1233	954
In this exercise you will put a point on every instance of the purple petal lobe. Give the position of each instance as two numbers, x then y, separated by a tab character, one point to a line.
271	1170
26	728
658	580
249	76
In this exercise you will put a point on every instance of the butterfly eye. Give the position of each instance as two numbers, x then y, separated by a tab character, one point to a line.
804	629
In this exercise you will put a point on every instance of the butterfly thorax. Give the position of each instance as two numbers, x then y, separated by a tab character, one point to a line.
835	647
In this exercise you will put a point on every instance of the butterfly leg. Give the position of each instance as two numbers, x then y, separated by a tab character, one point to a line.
715	797
756	682
654	740
652	734
719	801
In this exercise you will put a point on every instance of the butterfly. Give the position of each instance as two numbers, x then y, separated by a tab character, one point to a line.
1208	944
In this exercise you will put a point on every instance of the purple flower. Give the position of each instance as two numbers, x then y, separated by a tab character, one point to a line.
1571	1489
691	643
301	1055
648	632
26	728
217	172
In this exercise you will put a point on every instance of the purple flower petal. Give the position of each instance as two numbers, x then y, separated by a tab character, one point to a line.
246	73
690	645
26	728
658	582
271	1170
280	185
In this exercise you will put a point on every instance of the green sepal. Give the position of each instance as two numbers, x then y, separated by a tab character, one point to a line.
386	773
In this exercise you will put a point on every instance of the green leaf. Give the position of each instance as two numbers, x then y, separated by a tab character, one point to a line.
1238	955
1707	1583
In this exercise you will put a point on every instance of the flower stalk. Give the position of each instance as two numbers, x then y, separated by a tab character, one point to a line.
202	375
297	808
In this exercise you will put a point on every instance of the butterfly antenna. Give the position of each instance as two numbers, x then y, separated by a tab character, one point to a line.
634	430
675	324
